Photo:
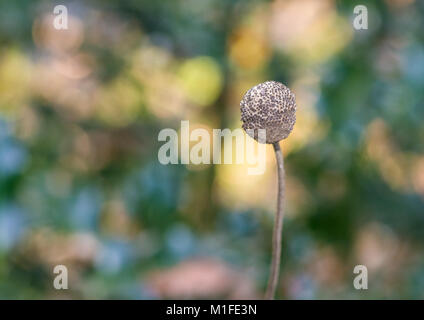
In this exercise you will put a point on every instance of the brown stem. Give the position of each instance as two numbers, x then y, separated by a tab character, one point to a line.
278	226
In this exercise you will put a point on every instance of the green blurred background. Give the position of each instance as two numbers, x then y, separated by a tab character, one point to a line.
80	181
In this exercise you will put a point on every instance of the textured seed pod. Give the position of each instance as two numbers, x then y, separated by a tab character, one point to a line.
271	106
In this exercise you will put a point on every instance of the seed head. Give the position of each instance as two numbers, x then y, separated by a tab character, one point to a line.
271	106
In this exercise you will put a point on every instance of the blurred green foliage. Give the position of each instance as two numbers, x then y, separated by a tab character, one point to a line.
80	183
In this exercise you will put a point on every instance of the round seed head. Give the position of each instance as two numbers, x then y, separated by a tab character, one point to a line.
270	106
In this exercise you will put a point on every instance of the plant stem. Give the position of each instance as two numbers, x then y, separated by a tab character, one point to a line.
278	226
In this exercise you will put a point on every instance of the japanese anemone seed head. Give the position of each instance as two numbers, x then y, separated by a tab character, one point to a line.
270	106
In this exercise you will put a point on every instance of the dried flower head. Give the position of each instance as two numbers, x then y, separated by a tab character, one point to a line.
271	106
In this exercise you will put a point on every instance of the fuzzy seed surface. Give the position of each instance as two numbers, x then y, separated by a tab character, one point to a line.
269	105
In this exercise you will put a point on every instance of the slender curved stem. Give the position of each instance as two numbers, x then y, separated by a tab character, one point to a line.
278	226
